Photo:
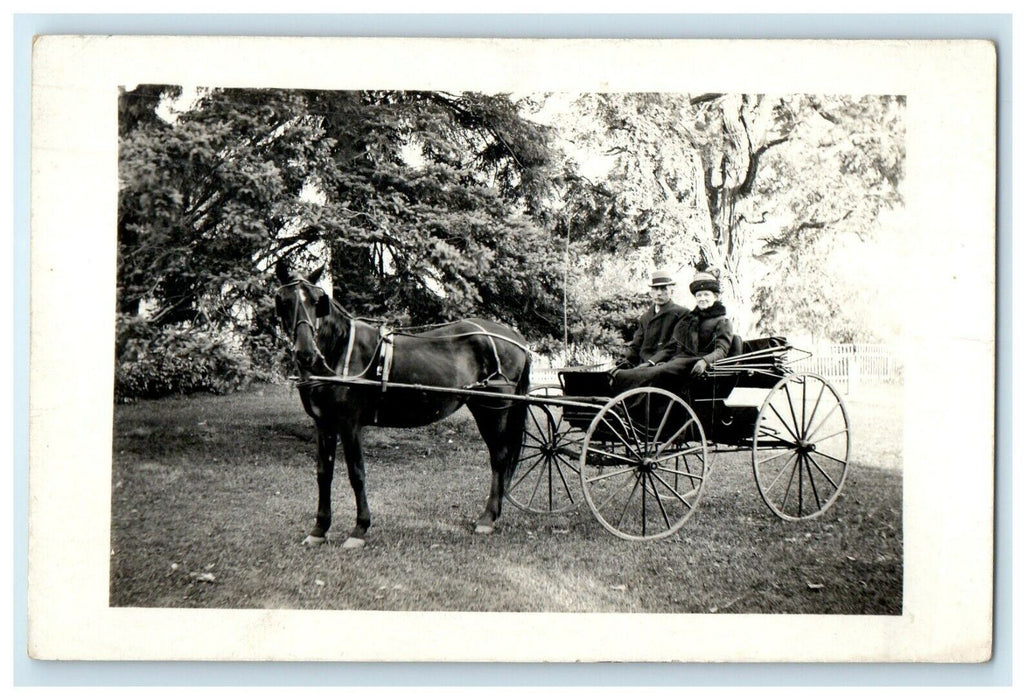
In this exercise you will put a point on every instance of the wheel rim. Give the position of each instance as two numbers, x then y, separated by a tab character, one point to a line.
801	447
547	472
644	464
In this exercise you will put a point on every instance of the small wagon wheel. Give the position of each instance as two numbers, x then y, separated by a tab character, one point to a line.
644	464
546	475
801	447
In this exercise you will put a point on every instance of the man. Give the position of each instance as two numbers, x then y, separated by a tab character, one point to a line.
656	325
703	336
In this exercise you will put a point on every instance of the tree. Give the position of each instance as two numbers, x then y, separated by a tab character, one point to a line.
736	181
429	205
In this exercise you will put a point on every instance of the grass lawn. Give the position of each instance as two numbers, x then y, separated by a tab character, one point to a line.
212	496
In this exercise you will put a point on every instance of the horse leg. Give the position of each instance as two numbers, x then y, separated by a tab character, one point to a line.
352	443
327	442
502	431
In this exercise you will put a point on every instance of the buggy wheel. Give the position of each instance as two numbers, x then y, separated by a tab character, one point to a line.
801	447
644	464
546	475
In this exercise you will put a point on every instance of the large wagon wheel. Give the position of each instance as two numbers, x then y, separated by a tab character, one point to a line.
546	475
801	447
644	464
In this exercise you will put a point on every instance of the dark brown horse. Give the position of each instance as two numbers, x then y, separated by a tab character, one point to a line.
470	354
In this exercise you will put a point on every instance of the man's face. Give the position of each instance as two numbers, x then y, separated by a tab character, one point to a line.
705	298
660	295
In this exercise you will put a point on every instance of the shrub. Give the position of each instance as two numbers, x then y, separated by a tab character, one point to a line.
152	362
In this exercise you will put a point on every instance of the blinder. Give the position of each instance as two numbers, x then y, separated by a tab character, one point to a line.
323	305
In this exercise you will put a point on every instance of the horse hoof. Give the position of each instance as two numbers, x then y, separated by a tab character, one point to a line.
484	529
354	543
313	541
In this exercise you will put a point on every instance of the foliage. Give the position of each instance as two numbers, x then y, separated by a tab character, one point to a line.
742	182
431	205
158	361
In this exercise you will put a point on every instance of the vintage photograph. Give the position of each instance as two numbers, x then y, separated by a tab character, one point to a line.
685	299
630	362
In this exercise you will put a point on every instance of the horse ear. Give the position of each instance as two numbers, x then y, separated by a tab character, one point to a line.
282	273
323	305
314	277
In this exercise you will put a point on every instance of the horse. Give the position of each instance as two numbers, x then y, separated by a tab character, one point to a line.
327	341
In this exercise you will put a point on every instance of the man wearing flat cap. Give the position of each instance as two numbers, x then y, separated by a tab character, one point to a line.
656	325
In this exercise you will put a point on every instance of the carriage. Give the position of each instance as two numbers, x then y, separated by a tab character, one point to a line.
641	458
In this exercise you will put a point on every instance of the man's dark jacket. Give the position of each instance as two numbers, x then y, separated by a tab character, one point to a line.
653	332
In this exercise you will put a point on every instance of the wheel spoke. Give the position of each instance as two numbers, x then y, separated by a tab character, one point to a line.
614	455
607	422
566	442
678	455
533	455
565	459
826	437
810	475
807	428
783	421
656	497
827	416
534	418
530	469
675	492
782	470
673	437
537	483
767	431
792	411
828	478
563	480
687	473
634	431
627	503
779	451
663	421
828	456
600	477
789	482
616	491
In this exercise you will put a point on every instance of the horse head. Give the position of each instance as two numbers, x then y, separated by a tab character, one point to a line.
300	304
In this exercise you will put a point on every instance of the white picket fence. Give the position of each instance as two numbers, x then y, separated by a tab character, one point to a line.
854	363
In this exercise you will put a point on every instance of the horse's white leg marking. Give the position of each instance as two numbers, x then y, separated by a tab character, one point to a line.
311	541
354	543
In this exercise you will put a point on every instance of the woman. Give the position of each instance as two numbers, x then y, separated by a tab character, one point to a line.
700	339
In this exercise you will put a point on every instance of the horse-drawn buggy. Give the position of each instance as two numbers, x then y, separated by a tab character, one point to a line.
641	457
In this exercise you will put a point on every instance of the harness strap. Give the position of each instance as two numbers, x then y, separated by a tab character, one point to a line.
494	351
387	353
346	368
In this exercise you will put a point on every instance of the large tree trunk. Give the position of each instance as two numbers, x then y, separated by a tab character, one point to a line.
750	126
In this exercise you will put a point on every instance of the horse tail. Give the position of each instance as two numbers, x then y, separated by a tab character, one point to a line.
517	416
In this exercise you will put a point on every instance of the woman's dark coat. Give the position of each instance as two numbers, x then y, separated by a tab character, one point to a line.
701	334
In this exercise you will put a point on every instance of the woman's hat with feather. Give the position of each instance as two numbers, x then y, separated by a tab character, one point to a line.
708	278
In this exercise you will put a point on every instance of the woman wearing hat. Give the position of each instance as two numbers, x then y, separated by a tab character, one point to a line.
700	338
656	325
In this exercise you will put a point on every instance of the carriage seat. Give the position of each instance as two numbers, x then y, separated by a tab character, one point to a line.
736	348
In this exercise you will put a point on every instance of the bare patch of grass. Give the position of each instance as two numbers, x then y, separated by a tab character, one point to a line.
211	497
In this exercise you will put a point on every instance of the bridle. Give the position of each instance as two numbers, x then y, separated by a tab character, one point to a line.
300	317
